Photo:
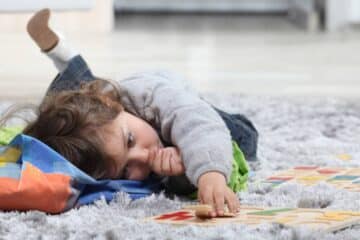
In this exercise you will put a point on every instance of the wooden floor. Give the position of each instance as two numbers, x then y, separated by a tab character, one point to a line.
258	55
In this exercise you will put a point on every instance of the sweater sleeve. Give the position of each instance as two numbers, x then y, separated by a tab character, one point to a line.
184	119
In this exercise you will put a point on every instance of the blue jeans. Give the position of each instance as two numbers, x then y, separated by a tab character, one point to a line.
71	78
241	129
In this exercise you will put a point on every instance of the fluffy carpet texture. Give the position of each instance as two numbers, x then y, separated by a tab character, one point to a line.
293	131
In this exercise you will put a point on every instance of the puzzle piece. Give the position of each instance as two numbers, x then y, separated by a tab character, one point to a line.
176	216
318	219
344	157
328	171
202	210
281	178
344	178
353	171
307	168
271	212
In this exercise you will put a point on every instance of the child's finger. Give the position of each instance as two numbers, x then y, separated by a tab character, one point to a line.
177	167
153	159
152	155
207	198
202	201
219	197
200	198
165	163
172	163
157	162
232	201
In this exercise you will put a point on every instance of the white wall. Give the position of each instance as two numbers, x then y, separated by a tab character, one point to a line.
354	10
203	5
93	16
31	5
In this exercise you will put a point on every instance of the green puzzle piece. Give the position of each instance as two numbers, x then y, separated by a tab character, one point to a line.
271	212
343	178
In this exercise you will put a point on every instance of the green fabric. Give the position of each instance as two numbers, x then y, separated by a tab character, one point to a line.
8	133
240	171
239	174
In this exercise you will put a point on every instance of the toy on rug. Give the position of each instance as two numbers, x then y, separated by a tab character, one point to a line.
316	219
344	178
202	210
344	157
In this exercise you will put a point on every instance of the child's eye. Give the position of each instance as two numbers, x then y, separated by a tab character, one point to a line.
131	139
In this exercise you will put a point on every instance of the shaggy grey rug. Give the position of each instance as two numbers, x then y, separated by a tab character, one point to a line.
293	131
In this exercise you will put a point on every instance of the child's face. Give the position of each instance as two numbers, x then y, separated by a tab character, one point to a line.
128	140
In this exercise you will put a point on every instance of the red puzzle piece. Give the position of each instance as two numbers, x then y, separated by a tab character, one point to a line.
176	216
306	167
327	171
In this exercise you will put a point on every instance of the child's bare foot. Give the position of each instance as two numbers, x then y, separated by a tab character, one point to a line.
40	31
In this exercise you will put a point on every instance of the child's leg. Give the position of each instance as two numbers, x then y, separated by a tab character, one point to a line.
71	66
242	132
75	73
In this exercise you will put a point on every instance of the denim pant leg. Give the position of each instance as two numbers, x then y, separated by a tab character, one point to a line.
243	132
76	73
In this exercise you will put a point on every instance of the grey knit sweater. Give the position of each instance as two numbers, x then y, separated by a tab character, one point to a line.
183	119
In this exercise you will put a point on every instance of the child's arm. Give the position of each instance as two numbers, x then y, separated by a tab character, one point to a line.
189	123
212	185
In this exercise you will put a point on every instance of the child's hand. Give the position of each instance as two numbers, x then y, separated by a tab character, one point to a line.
166	162
212	190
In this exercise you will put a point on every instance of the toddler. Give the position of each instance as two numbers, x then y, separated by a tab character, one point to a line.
149	123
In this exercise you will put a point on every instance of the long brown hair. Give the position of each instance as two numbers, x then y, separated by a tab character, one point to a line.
70	122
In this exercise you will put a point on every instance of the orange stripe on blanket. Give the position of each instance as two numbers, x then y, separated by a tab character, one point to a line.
46	192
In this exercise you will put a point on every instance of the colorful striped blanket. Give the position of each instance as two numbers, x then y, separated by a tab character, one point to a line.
33	176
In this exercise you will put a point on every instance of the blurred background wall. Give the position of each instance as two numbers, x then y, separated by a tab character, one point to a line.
261	47
80	15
